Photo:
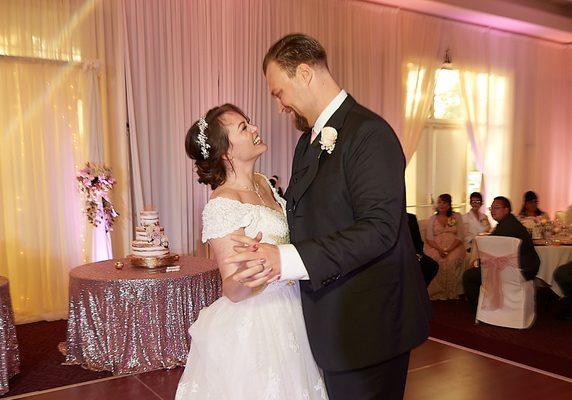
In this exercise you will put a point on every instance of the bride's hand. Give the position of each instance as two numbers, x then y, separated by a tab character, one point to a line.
257	258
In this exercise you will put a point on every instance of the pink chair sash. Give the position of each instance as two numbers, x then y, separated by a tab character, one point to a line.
492	296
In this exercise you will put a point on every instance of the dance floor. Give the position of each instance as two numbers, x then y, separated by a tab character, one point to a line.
437	370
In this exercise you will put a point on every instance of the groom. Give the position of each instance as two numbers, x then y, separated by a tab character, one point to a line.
363	296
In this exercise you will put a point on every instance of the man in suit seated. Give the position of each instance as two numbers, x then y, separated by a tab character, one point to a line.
429	267
508	225
563	276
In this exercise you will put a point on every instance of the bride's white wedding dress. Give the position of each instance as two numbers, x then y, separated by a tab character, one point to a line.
257	348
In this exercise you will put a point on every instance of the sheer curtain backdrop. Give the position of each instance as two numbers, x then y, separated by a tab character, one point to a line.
485	59
542	139
423	51
50	113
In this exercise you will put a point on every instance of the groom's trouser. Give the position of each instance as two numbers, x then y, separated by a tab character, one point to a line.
385	381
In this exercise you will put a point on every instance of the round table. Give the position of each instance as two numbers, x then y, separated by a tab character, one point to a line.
134	319
9	354
551	257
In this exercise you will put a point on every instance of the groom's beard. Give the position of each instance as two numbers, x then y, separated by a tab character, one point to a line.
300	122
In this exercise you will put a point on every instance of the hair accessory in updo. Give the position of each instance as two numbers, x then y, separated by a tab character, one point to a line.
202	138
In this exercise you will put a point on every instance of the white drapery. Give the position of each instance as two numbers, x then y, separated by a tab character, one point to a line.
42	230
485	60
423	55
50	108
518	101
542	139
101	248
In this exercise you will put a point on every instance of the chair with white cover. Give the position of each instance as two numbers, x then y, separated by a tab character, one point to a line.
505	298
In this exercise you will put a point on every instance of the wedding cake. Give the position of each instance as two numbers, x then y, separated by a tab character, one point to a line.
150	239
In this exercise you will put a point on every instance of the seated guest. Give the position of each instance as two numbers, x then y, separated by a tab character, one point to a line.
508	225
475	221
429	267
445	243
275	182
530	208
563	276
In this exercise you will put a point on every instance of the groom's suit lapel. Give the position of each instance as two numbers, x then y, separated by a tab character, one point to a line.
308	163
313	155
299	167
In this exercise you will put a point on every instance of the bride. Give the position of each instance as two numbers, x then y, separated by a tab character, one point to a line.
251	343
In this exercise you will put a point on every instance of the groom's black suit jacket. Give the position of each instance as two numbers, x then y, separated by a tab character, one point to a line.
366	300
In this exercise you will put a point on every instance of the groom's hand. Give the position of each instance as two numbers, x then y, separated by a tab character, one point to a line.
256	258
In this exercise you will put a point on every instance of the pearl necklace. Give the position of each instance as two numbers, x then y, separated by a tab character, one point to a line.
255	190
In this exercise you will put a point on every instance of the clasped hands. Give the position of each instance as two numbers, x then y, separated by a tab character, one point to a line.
259	262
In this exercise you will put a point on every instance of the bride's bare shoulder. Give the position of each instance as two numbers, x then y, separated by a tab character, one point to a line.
227	193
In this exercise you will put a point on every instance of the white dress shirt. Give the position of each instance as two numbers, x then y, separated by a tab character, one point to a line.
327	114
475	226
291	263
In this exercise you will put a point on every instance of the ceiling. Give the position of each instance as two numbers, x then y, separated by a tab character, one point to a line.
547	19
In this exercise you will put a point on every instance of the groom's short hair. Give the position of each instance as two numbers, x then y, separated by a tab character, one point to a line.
293	50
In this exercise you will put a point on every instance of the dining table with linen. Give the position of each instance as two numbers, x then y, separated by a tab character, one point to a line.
9	351
552	253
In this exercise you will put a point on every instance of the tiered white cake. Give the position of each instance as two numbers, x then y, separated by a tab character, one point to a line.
150	239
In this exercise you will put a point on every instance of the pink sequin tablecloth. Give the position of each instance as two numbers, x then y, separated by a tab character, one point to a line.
9	354
135	320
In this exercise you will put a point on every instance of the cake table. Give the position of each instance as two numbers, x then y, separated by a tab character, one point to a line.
133	319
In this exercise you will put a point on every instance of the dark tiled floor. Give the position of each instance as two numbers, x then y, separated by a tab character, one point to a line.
436	372
164	382
122	388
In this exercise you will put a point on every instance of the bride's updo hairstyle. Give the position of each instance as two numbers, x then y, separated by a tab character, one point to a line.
207	143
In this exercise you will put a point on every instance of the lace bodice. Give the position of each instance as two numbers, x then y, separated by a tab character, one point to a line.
221	216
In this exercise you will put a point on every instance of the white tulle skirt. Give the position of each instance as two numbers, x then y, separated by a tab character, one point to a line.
254	349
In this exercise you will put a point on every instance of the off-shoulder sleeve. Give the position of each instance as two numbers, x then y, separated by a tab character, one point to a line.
222	216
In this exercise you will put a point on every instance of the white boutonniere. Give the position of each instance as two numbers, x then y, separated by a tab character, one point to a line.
328	137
